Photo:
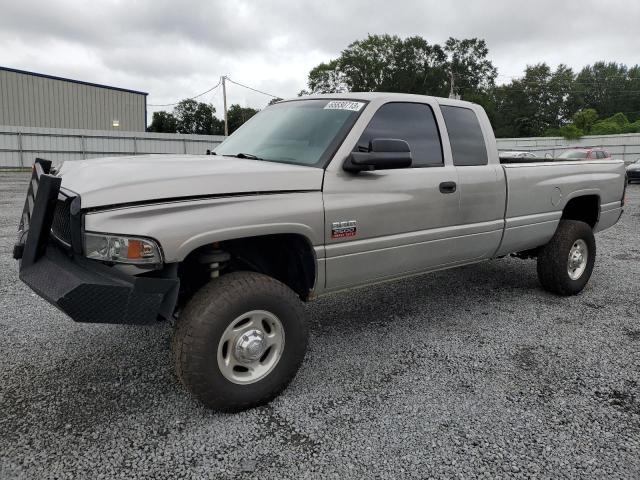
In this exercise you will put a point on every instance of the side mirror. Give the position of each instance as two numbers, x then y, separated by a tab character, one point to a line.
383	154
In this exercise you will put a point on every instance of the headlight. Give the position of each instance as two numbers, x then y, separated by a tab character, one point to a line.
117	248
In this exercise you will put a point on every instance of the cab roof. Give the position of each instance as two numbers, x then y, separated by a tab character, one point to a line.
389	96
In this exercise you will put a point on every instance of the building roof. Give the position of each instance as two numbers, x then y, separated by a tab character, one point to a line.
53	77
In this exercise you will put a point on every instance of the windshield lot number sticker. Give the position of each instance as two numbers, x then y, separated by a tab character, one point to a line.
344	105
343	229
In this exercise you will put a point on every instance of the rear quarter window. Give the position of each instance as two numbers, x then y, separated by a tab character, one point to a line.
465	136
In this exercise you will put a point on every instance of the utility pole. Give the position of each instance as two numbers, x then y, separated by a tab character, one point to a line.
451	91
224	97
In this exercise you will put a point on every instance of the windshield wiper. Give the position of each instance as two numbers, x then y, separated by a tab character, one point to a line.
248	156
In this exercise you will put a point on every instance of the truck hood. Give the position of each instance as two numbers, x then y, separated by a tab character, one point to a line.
151	178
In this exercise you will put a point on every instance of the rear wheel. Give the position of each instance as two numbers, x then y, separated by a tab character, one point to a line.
566	262
240	341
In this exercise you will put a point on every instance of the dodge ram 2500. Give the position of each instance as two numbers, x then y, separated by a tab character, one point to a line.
311	196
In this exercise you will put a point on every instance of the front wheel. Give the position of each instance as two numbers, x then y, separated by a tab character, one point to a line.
566	262
240	341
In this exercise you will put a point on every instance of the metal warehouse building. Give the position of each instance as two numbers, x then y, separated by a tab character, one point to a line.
30	99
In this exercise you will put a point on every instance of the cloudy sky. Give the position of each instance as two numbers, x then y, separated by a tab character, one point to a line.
176	49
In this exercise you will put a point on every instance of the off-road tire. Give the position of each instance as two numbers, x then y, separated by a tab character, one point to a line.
554	257
202	323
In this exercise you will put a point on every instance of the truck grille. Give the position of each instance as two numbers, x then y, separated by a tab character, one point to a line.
61	226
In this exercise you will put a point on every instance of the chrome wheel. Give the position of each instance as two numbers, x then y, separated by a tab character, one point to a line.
250	347
578	256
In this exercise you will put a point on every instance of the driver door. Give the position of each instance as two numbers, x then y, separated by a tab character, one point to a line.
390	223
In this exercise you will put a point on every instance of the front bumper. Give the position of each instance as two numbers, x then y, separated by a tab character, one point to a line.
633	175
86	290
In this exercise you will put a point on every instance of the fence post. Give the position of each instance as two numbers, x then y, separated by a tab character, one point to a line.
84	147
20	149
184	142
135	145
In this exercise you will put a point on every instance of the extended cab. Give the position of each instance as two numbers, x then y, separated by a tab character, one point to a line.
311	196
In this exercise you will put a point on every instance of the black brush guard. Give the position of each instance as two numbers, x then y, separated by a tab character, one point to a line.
86	290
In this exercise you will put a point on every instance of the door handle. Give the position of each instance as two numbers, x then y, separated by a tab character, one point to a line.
448	187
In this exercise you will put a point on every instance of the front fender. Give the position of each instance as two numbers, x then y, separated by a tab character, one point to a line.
182	226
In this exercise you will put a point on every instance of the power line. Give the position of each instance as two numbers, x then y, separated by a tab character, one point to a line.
611	92
254	89
211	89
190	98
619	75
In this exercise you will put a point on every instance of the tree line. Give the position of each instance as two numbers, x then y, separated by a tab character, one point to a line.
602	98
191	116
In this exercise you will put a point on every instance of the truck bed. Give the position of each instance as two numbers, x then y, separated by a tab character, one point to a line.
537	193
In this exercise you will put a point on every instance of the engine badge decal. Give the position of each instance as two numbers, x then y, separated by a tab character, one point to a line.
344	229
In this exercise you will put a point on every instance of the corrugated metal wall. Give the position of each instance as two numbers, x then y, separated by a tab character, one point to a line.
625	146
19	146
34	100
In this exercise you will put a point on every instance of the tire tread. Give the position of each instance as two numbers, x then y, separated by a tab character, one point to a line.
552	259
197	316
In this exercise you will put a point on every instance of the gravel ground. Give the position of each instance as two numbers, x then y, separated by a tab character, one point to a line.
474	372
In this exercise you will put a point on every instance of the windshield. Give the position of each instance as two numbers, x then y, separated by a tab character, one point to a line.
303	132
574	154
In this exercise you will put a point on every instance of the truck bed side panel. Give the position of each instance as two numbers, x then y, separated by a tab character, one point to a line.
538	193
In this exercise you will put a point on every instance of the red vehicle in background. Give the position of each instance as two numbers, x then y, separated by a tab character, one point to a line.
585	153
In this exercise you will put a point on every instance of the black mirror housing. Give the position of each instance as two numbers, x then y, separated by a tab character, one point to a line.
383	154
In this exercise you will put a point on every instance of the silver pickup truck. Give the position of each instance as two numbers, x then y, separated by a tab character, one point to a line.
311	196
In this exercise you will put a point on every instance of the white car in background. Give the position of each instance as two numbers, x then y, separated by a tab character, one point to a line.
515	154
633	171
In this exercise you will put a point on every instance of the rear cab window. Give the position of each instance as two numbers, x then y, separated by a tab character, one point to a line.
465	136
414	123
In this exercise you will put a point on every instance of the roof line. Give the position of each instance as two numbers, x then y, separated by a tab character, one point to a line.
53	77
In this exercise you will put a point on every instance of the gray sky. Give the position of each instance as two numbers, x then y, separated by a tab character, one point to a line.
176	49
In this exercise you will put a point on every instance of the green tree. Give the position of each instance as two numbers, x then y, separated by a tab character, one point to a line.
326	78
608	88
571	132
584	119
388	63
468	63
196	117
533	104
633	127
619	118
412	65
615	124
237	115
606	128
163	122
